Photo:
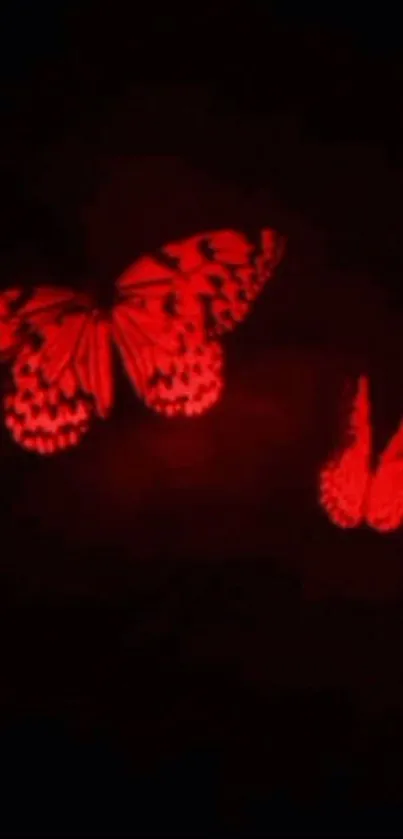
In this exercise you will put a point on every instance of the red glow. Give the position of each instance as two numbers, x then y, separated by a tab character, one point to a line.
41	417
349	492
168	307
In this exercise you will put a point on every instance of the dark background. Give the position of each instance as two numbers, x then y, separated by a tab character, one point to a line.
187	644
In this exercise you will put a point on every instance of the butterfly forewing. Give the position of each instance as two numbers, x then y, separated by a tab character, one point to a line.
59	343
48	304
224	272
9	323
100	374
211	278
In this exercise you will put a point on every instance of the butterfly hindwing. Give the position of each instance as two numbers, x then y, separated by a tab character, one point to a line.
385	499
74	334
180	375
45	417
344	479
187	385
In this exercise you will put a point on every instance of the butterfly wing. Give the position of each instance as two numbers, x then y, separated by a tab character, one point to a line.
50	302
9	322
210	280
175	373
345	478
385	500
172	304
73	335
223	272
44	417
93	362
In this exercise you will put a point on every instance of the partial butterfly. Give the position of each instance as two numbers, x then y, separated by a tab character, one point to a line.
169	309
351	492
9	323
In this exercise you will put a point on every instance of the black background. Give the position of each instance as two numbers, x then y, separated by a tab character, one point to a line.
187	644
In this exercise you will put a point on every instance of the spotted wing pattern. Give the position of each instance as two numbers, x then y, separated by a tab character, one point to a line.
171	305
210	279
72	333
344	479
9	323
41	417
385	499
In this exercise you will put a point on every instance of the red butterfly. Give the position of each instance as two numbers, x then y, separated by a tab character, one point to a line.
168	310
350	491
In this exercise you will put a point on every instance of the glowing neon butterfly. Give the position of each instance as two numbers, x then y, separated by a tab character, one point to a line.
352	493
168	310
